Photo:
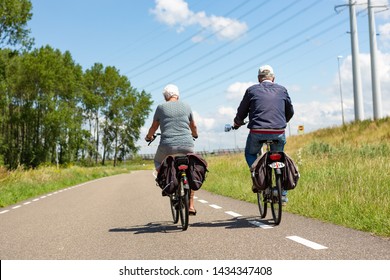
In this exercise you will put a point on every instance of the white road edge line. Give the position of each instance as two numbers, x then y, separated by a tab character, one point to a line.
5	211
307	243
234	214
202	201
215	206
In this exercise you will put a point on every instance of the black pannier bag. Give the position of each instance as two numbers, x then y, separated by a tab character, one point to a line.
166	176
196	172
260	174
290	173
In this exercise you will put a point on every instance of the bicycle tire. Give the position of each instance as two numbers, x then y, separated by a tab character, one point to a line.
276	202
174	210
262	203
184	209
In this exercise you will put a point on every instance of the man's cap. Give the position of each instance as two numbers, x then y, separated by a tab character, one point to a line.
266	70
171	90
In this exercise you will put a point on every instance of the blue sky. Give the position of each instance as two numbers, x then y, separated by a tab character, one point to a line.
212	50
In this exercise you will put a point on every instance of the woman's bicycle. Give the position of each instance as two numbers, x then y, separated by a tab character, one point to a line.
179	199
272	194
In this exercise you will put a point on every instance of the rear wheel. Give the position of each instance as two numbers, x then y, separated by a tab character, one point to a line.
174	208
184	208
262	203
276	203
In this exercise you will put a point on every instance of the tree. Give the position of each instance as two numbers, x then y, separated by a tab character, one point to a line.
124	113
93	101
42	117
14	15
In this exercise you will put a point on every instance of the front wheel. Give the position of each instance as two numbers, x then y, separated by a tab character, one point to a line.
276	202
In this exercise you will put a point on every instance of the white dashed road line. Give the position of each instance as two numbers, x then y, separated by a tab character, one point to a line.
298	239
234	214
261	225
307	243
48	195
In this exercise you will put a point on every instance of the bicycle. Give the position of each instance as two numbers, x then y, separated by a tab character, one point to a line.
179	199
272	194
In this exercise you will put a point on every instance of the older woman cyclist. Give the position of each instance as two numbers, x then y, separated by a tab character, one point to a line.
178	128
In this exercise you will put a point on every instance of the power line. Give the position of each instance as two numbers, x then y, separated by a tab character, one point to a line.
277	13
177	45
262	53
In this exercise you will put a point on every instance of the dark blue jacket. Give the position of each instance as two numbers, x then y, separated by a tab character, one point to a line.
268	105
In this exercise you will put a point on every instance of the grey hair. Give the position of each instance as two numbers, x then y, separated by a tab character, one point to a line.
170	91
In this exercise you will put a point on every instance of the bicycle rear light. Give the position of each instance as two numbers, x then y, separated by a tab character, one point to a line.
275	157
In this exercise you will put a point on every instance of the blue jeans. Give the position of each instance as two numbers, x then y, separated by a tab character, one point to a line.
255	141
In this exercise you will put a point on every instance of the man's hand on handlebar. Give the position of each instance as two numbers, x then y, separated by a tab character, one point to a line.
235	126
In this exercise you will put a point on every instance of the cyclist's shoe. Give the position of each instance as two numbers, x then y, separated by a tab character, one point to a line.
284	198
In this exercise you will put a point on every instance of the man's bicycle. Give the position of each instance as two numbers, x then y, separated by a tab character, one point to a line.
272	194
179	199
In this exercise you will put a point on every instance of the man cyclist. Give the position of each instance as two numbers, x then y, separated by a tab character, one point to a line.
270	109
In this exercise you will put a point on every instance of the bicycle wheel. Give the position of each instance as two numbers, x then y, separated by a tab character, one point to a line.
276	202
184	208
174	208
262	203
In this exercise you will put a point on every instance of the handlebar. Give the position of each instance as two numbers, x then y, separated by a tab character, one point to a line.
158	134
229	127
154	138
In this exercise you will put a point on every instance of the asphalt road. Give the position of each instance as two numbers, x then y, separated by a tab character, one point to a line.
124	217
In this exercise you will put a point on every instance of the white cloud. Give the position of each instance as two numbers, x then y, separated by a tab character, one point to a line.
236	90
384	35
176	13
227	112
202	122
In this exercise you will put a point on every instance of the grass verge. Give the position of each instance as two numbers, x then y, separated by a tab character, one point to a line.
20	184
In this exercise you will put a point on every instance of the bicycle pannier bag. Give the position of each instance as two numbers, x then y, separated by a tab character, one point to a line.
166	176
290	173
261	174
196	172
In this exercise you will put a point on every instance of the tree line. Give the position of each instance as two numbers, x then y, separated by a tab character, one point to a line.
51	111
